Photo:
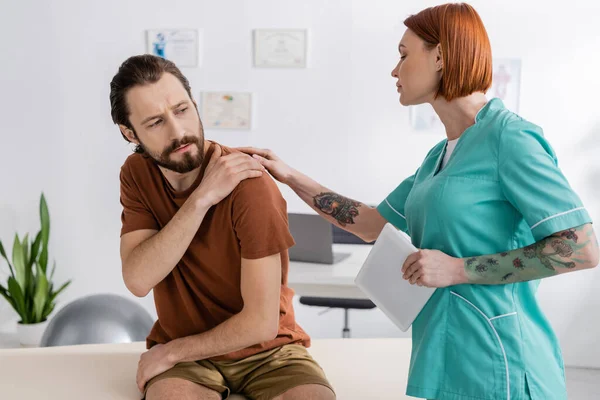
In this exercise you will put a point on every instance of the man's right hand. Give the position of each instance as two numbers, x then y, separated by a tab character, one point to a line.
224	173
280	170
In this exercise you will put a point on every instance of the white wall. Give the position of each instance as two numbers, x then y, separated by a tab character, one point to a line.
339	121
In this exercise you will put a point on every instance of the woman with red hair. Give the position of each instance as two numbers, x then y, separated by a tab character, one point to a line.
491	213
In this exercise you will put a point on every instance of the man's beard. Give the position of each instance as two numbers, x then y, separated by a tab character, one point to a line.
189	162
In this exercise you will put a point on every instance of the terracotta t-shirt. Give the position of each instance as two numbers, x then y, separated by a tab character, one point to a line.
203	290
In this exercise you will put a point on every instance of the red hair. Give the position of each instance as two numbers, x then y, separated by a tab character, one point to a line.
466	50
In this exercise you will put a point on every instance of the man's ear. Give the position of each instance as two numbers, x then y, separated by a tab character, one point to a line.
129	134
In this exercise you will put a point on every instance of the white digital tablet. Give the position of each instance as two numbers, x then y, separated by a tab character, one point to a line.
380	278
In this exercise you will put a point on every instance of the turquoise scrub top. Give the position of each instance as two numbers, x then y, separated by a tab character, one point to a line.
500	190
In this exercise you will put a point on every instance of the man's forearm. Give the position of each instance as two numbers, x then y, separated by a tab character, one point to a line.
570	250
239	332
152	260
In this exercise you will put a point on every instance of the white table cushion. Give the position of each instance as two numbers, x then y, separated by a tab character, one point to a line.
357	368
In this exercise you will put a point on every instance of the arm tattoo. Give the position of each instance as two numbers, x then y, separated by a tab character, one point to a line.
563	250
340	208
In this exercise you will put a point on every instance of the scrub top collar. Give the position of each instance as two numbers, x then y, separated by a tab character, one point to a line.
487	109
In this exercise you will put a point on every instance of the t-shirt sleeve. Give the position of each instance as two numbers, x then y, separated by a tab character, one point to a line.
392	207
135	214
534	184
260	218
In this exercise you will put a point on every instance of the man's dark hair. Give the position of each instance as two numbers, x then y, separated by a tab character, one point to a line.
139	70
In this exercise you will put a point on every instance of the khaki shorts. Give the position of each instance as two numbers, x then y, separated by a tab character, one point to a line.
262	376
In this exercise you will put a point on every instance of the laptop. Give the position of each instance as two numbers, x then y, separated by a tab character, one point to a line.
380	278
314	240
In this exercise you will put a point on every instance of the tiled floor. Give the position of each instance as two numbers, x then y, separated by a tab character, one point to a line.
583	384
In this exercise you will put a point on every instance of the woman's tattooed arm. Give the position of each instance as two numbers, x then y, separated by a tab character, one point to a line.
565	251
340	208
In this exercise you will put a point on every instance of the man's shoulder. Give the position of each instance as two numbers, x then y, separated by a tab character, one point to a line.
134	164
251	186
262	186
225	150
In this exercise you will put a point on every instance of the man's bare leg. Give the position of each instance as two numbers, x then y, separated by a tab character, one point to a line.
305	392
180	389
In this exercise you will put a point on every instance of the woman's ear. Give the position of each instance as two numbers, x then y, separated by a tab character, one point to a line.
439	61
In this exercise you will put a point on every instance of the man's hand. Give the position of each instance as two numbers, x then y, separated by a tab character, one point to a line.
152	363
280	170
432	268
223	174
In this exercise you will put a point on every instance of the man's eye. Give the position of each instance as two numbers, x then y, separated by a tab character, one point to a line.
156	123
182	110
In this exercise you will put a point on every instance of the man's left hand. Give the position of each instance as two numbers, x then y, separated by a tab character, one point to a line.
432	268
152	363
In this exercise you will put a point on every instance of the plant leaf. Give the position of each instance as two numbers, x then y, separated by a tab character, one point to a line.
19	262
41	294
3	289
4	292
45	221
26	266
25	246
48	310
50	304
6	258
63	287
30	312
43	258
3	252
53	269
17	295
35	248
29	292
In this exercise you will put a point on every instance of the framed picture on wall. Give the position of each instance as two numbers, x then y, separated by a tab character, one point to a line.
226	110
178	45
280	48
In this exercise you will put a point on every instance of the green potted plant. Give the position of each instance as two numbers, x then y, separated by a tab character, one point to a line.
29	289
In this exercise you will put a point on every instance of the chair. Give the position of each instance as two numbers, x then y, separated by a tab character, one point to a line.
341	236
345	304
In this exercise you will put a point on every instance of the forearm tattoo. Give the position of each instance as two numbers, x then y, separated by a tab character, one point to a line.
563	250
340	208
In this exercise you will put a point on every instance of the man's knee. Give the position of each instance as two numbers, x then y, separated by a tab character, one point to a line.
179	389
303	392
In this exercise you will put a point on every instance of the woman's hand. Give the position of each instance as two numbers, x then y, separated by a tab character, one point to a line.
432	268
280	170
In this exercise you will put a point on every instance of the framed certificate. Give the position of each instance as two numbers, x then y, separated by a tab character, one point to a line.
280	48
180	46
226	110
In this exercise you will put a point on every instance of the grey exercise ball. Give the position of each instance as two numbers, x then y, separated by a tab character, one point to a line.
100	318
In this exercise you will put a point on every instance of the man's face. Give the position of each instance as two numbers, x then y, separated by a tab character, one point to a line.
166	124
